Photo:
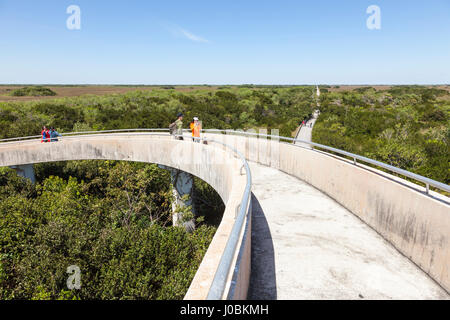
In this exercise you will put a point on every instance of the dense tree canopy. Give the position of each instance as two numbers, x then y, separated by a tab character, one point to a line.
112	219
242	108
405	126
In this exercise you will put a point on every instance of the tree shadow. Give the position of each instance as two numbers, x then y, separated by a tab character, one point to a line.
263	284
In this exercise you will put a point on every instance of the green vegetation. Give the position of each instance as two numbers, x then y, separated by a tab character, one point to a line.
112	219
406	126
244	108
33	91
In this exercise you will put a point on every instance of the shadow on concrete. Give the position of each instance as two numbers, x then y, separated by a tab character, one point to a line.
263	285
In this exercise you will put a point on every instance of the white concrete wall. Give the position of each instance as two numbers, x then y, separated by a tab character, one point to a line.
213	164
416	224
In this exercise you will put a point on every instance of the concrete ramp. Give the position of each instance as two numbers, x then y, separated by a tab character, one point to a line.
307	246
304	245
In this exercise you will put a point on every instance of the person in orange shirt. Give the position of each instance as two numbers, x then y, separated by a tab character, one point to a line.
196	128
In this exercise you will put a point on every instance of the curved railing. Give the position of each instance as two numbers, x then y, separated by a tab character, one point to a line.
224	269
70	134
220	279
427	181
415	223
222	275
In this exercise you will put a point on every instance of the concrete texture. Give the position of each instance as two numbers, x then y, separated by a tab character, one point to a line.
336	255
307	246
263	280
417	224
211	163
182	185
26	171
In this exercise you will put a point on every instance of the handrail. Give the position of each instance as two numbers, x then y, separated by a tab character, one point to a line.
427	181
84	132
223	270
219	282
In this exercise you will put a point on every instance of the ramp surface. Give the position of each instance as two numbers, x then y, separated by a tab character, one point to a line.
307	246
305	132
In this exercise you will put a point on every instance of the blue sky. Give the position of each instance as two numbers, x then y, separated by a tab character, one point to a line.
225	42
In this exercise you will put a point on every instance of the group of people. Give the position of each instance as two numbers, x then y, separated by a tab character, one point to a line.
176	128
306	124
49	135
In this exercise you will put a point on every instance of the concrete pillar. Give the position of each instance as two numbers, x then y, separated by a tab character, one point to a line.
182	184
26	171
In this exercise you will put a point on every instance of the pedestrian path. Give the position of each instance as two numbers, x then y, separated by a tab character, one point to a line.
305	132
307	246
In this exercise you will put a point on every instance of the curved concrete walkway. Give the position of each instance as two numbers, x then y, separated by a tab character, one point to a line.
306	246
305	132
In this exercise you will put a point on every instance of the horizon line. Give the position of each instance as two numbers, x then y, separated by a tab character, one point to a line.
226	84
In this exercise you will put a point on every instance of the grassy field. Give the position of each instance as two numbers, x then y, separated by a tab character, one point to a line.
81	90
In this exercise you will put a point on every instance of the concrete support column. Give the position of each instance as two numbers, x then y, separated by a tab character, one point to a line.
182	184
25	171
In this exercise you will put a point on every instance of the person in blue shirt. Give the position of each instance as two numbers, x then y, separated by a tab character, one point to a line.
45	135
54	135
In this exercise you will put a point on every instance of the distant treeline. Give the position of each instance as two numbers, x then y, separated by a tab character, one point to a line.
34	91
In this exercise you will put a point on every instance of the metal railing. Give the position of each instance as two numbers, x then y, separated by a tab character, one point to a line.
18	139
220	278
219	283
427	181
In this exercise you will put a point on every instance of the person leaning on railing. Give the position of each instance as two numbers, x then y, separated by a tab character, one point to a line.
54	135
45	135
176	128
